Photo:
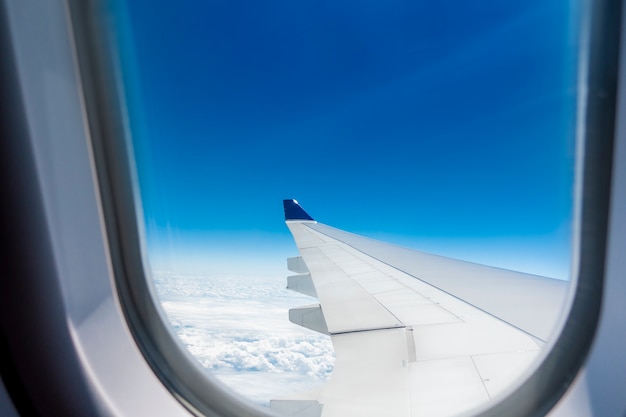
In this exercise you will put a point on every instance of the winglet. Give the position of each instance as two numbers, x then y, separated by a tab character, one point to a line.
293	211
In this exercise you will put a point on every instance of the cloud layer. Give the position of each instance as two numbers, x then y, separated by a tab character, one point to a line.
238	328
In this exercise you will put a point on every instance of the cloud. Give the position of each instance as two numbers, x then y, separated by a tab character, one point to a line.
238	328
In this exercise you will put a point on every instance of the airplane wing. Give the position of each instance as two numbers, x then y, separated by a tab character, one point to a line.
414	334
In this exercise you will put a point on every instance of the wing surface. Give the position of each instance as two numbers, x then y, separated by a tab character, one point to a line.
414	334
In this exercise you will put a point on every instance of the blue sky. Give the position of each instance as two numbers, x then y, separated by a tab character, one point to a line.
448	128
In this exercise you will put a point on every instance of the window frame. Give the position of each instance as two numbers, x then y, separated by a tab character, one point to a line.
203	395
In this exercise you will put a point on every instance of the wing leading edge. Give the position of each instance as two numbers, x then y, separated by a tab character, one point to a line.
414	334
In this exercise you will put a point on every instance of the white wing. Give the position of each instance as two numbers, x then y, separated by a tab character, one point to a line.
414	334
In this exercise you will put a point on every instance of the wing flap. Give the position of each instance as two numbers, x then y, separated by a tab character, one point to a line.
371	375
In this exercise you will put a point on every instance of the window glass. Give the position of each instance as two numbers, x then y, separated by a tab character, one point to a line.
448	128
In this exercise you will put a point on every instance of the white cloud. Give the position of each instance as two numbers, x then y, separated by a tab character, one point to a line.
238	328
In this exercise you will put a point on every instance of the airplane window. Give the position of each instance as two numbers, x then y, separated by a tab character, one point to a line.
447	129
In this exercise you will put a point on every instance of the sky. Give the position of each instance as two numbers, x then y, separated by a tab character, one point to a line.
448	128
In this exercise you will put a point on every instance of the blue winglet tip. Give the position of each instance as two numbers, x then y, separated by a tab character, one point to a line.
293	211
